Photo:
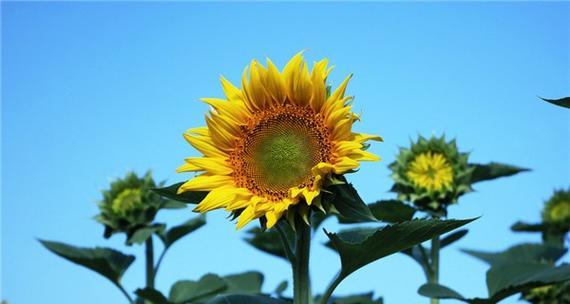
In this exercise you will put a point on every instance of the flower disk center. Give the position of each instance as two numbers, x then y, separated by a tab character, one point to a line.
430	171
278	150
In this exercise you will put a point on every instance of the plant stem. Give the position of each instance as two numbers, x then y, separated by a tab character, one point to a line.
149	250
286	244
301	278
122	289
157	266
332	286
434	278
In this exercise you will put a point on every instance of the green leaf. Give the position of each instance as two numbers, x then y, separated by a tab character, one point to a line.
348	203
493	170
505	280
453	237
172	204
105	261
437	291
281	288
367	298
562	102
189	197
360	248
511	278
187	291
268	241
519	253
152	295
244	283
177	232
142	234
245	299
390	211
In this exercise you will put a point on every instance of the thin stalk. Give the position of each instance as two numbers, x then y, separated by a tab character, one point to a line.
434	278
125	293
286	245
301	278
330	289
159	262
149	251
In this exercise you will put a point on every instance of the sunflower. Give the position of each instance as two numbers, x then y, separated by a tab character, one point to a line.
275	142
431	174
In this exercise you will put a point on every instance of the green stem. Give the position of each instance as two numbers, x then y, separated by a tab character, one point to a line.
286	245
149	250
330	289
301	278
434	278
159	262
122	289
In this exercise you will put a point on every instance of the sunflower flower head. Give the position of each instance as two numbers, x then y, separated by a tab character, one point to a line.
273	144
129	204
431	174
550	294
557	209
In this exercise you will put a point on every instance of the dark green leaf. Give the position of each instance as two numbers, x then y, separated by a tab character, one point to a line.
562	102
519	253
453	237
520	226
172	204
390	211
281	288
492	171
437	291
245	299
152	295
367	298
244	283
361	248
189	197
268	241
177	232
348	203
511	278
105	261
187	291
142	234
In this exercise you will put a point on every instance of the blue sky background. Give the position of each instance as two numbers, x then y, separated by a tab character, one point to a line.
90	91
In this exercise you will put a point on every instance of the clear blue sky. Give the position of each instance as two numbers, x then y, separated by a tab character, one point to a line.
90	91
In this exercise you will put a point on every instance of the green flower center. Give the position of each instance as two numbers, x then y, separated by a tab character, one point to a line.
278	150
126	201
560	212
284	160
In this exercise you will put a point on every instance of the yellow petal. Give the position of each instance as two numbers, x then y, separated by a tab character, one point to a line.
341	130
218	166
231	91
344	164
246	216
188	168
310	195
204	144
361	155
205	183
217	198
362	137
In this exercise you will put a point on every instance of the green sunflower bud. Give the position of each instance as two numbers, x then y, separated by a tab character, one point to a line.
551	294
557	209
129	204
431	174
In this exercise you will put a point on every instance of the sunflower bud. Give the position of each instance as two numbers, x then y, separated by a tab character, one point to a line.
128	204
431	174
557	209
